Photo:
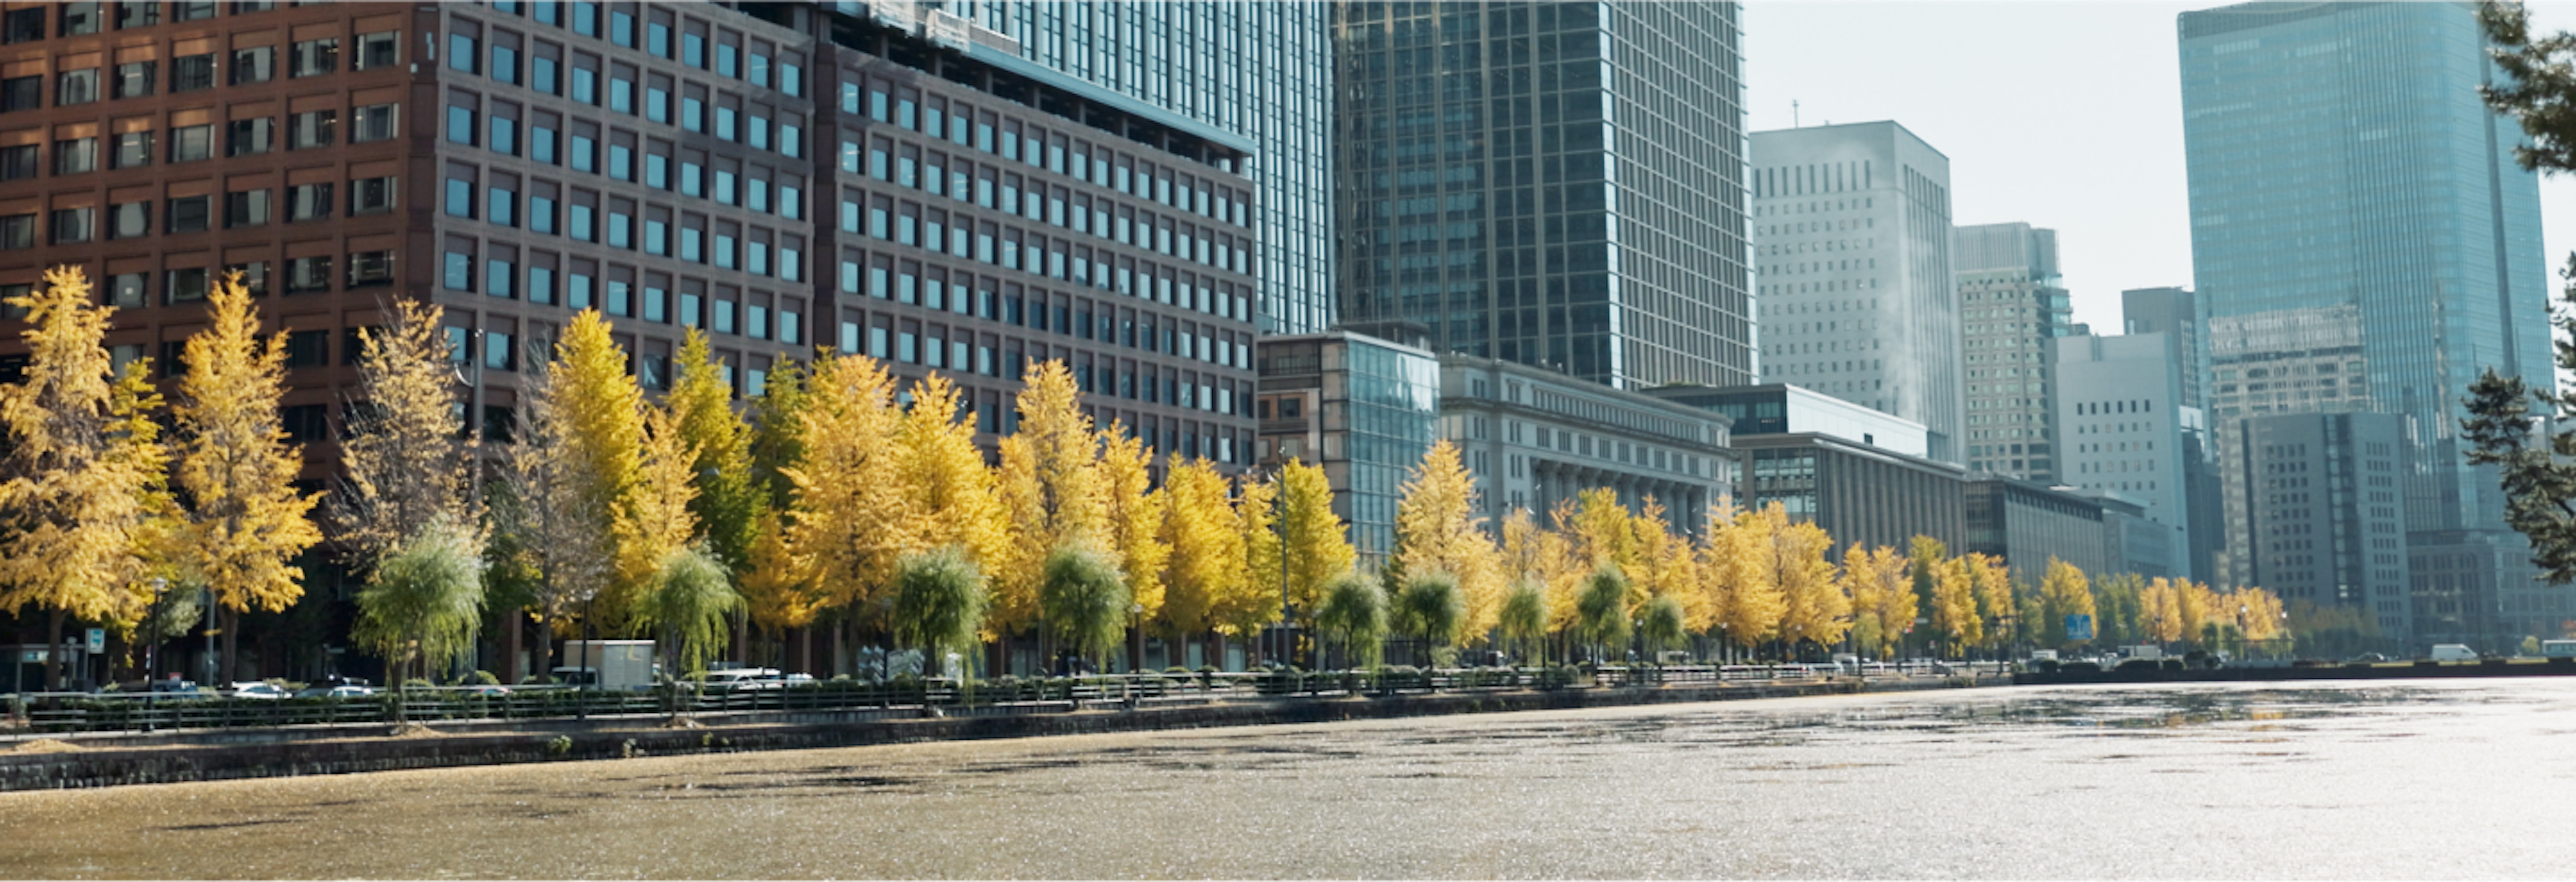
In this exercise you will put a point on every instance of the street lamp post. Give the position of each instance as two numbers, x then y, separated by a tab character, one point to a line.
152	649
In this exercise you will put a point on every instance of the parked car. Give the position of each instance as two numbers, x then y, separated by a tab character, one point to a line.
342	691
2370	658
254	689
178	689
486	690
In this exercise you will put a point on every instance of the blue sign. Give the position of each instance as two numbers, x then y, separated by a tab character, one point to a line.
2079	627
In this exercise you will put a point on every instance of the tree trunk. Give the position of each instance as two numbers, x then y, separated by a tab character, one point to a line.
1216	650
545	649
513	630
231	636
54	650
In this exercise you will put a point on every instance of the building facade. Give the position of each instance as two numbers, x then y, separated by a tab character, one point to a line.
1863	495
1558	185
2026	524
2125	429
2011	304
1780	408
1364	409
1535	439
2340	158
1260	71
2451	570
2328	511
1851	228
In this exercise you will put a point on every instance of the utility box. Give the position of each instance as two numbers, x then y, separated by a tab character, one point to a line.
2143	651
606	664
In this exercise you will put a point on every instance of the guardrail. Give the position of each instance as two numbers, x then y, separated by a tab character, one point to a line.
61	712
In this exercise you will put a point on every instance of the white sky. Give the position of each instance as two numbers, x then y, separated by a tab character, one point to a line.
2063	114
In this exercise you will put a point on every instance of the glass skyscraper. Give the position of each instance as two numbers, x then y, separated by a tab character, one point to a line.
2340	156
1257	69
1555	184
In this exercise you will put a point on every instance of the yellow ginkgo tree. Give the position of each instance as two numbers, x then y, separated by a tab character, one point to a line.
247	521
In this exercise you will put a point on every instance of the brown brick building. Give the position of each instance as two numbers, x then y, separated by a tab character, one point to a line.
784	176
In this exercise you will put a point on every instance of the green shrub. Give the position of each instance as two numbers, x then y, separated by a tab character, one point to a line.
483	678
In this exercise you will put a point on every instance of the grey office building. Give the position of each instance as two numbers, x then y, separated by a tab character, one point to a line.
1851	230
2340	160
1262	71
1558	185
2326	519
2011	303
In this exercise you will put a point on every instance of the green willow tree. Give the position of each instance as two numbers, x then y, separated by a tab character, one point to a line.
2538	473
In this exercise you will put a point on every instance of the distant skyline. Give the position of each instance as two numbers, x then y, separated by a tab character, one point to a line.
2064	115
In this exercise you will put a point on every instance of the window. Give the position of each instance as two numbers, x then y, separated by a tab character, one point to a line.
246	209
308	274
505	65
460	125
183	285
79	18
379	49
311	348
621	95
505	136
198	11
621	29
306	202
254	65
192	143
621	162
75	156
541	215
542	74
580	226
457	271
371	269
462	54
501	207
693	114
75	87
134	150
585	85
371	195
22	93
585	154
314	128
192	72
459	199
372	123
657	39
315	58
191	214
541	144
497	276
585	18
17	162
130	220
249	137
134	79
254	276
693	51
22	25
541	285
72	225
137	14
791	79
126	291
18	231
498	354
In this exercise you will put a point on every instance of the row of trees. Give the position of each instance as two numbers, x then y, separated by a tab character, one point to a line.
841	497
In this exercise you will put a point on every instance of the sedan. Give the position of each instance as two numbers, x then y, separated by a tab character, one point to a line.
336	692
256	690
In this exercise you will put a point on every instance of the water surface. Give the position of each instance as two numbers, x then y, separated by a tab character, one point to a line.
2413	779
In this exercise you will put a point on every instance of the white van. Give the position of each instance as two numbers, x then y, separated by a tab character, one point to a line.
2452	652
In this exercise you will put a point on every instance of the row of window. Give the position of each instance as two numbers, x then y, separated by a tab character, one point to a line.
620	292
691	48
190	143
1037	147
197	214
628	91
907	223
617	158
621	224
906	283
933	173
135	79
76	19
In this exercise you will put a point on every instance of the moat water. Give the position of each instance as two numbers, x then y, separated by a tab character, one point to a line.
2404	779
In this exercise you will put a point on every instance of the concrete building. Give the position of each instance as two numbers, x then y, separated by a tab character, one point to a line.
2125	429
1364	409
2340	158
2135	543
1260	71
2180	316
1779	408
1537	438
1851	228
2011	304
2286	361
1859	493
1555	184
2328	511
2026	523
2450	571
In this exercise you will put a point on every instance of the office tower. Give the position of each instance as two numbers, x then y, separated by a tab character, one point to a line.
2125	430
2011	305
2177	314
2174	312
2339	156
2281	362
1559	185
2327	519
780	176
1363	409
1261	72
1851	228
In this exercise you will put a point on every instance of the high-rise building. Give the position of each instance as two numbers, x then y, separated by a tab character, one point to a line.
1851	229
2178	314
2011	304
2286	361
1260	71
1559	185
2327	520
2340	157
2123	427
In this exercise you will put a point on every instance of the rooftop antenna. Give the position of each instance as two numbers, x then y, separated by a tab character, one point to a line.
1793	113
